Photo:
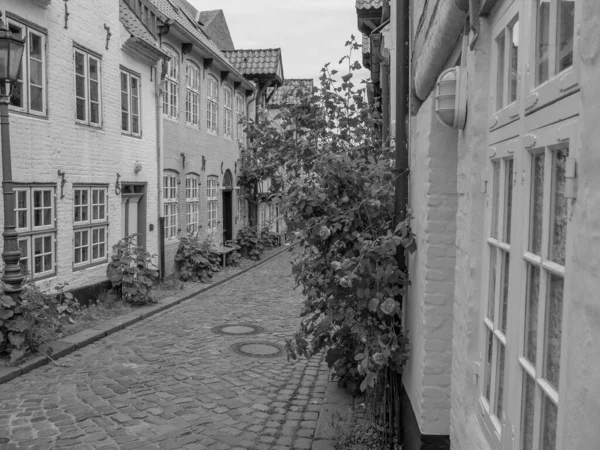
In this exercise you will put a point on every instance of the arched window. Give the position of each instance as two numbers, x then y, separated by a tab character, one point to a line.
212	104
228	112
192	199
211	201
170	97
170	203
192	94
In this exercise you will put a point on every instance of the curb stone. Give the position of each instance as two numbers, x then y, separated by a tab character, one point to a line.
75	341
335	418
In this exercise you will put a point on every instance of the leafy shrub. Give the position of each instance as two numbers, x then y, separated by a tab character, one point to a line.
132	272
233	258
269	238
195	260
250	244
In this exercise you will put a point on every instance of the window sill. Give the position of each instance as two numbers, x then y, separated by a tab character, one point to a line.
42	277
134	136
31	115
171	119
192	125
89	266
212	133
90	127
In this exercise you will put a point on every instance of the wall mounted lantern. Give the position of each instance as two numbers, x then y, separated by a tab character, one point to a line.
451	97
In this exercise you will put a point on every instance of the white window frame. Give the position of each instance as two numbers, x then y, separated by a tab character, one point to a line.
240	115
130	103
88	83
94	222
212	104
170	201
192	203
192	96
228	112
171	89
559	84
26	69
29	232
212	201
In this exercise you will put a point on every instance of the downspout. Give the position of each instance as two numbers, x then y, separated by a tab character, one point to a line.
449	24
401	135
159	89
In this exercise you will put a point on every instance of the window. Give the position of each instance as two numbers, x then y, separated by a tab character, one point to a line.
170	204
240	114
29	93
87	88
553	44
192	203
192	97
35	220
228	112
212	104
130	103
170	95
211	197
90	225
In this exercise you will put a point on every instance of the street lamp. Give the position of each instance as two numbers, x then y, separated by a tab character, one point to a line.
11	57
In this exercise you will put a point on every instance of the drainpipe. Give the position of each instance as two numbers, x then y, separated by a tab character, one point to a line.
402	95
159	89
440	41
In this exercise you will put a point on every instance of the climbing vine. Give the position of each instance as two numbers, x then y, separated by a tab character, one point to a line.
325	161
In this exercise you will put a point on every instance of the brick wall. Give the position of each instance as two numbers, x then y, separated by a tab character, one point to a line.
195	141
42	146
429	307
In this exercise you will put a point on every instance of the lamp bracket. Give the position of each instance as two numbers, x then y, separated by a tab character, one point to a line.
62	183
118	185
108	35
67	14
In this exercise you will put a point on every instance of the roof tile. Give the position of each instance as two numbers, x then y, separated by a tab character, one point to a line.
256	62
369	4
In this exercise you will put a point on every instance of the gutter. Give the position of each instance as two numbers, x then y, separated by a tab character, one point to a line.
441	39
159	89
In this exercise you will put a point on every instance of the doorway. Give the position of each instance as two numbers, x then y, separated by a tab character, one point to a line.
133	212
227	207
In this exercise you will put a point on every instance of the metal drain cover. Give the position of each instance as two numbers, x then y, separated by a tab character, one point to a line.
240	329
258	349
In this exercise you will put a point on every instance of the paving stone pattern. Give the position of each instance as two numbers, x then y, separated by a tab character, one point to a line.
168	382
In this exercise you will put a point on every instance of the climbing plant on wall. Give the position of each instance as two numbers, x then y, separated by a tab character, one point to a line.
334	176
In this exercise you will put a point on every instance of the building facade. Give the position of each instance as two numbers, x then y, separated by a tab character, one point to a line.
83	135
502	310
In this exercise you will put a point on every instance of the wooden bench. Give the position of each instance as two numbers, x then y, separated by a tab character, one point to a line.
224	251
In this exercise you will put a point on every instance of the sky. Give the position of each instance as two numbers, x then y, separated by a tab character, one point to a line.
310	33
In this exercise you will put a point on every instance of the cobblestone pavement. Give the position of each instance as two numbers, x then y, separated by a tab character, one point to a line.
169	382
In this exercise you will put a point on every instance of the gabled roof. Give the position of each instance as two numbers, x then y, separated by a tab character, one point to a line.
141	40
262	63
369	4
182	15
291	91
214	24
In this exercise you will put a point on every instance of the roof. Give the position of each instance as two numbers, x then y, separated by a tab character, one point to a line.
263	62
183	14
139	32
291	91
206	17
369	4
213	23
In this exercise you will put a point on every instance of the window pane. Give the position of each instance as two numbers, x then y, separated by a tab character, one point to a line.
488	365
531	313
508	200
81	112
47	196
543	40
35	72
36	98
501	45
495	199
499	380
514	62
537	203
566	23
93	69
527	406
47	216
559	222
549	424
79	63
94	113
504	304
24	261
553	330
492	293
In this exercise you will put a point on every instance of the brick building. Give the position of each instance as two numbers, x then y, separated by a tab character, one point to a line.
502	312
83	134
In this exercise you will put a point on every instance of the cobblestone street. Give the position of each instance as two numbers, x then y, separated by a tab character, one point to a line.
170	382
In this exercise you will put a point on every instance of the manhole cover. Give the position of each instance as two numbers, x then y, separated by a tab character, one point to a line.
240	329
258	349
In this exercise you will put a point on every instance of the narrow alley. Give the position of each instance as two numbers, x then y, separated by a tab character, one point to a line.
174	381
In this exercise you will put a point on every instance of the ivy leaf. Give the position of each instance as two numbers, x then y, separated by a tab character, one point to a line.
359	357
16	339
7	301
6	314
373	303
16	355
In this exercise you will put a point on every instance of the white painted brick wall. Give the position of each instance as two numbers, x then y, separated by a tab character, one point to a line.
42	146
